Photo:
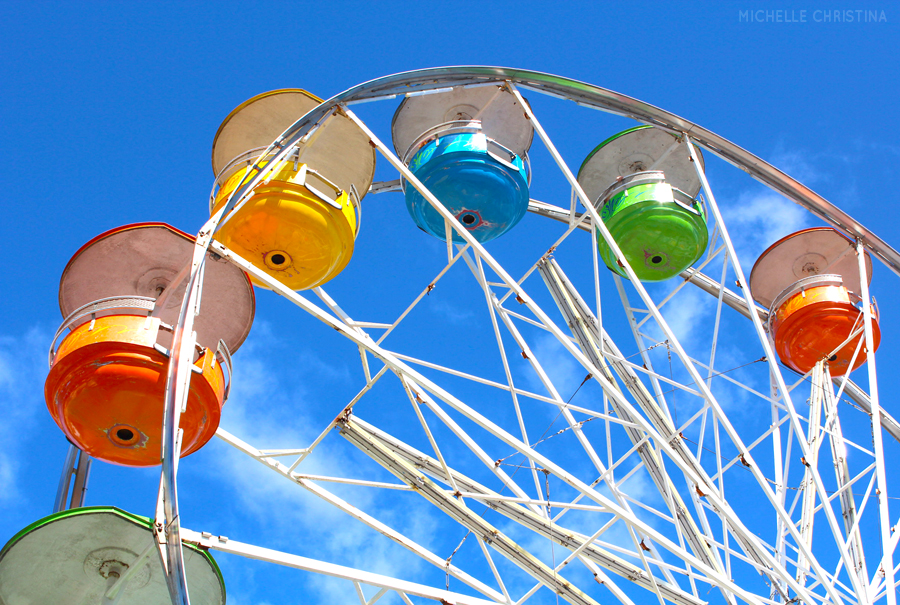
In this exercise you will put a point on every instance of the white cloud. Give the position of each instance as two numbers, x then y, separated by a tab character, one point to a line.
801	165
758	219
271	409
564	372
8	471
688	315
449	312
23	368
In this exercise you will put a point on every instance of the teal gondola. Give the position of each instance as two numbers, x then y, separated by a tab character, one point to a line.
481	182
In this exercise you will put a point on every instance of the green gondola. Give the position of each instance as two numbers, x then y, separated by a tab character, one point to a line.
645	188
76	555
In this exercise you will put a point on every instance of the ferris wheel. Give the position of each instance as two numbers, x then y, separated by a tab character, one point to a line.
726	443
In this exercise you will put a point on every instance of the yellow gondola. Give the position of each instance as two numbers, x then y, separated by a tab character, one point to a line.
300	223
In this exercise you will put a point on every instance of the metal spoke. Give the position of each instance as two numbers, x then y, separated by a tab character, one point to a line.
356	576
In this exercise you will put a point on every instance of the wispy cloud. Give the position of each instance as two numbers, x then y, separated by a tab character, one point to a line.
757	219
687	314
23	367
564	372
271	409
803	165
453	314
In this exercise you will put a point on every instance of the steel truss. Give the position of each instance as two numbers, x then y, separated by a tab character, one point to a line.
697	532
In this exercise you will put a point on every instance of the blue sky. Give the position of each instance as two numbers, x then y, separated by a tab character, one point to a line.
107	115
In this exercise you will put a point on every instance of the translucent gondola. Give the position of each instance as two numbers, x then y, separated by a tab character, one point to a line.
469	148
645	187
301	222
120	295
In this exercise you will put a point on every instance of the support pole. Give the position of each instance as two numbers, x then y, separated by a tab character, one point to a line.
807	508
592	339
820	572
65	480
178	378
82	474
887	544
842	476
748	540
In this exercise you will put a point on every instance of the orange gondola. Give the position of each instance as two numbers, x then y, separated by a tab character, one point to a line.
107	380
809	280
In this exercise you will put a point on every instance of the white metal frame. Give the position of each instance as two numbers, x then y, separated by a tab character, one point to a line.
695	549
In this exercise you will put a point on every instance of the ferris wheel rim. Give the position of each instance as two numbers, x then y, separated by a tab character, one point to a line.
589	95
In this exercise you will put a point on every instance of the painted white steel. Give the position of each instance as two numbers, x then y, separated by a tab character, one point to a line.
734	301
821	574
358	514
843	478
178	376
887	544
485	423
656	431
492	303
748	539
465	516
813	442
592	339
539	523
330	569
734	521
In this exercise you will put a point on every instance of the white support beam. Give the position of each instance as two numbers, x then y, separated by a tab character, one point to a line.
844	480
358	514
813	441
887	543
463	515
222	544
723	509
538	523
748	539
594	341
511	441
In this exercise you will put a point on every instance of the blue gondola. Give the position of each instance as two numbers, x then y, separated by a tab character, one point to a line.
481	182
